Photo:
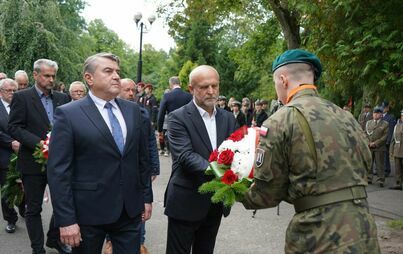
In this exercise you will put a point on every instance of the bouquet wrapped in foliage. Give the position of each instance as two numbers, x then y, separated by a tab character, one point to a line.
232	165
42	151
12	189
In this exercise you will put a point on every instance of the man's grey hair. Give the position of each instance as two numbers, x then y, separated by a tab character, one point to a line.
10	81
20	73
90	63
38	64
77	83
174	80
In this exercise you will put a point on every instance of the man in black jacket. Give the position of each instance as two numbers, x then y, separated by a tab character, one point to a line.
194	131
31	117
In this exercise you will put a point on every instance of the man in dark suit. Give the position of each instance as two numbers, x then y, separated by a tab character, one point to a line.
171	101
7	146
194	131
98	166
31	117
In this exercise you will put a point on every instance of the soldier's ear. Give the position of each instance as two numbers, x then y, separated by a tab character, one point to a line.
284	81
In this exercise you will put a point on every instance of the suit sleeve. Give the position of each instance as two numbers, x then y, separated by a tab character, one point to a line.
60	170
181	146
144	158
161	114
17	124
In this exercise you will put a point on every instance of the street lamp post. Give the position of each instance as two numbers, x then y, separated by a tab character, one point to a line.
143	28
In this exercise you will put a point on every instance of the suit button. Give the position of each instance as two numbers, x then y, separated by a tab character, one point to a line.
121	182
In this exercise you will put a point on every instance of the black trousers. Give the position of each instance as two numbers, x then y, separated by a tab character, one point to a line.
34	188
9	214
124	234
196	236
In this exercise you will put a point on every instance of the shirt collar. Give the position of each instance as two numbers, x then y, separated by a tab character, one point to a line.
40	93
100	103
203	112
5	103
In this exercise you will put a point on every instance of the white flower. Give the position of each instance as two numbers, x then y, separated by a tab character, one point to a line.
244	153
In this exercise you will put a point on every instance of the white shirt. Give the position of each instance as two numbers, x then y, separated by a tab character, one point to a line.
209	122
100	104
6	105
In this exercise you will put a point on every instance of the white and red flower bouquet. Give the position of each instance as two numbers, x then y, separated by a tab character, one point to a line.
232	165
41	152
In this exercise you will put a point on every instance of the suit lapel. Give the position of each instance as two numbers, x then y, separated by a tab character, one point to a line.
131	124
199	126
57	100
3	111
37	103
98	121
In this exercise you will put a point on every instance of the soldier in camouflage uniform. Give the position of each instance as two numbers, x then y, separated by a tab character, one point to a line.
315	156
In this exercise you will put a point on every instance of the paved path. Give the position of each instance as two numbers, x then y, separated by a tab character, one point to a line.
239	233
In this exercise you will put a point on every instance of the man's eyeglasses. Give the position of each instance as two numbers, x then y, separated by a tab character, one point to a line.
78	91
9	90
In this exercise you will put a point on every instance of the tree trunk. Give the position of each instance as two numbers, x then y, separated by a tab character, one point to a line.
289	22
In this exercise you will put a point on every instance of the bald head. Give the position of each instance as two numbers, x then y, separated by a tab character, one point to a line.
204	83
202	71
127	89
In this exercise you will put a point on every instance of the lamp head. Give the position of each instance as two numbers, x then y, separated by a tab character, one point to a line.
137	17
151	19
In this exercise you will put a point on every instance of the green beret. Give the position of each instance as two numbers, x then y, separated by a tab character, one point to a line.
298	56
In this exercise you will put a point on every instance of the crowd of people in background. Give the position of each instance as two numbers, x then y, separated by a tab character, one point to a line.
384	133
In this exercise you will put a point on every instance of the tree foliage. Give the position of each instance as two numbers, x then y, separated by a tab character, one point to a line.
360	43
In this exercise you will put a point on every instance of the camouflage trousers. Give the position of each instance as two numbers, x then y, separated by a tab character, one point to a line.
343	227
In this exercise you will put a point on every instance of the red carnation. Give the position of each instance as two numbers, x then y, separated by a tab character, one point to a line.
45	154
226	157
213	156
251	173
239	134
229	177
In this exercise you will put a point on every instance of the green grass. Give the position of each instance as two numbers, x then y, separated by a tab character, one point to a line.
396	224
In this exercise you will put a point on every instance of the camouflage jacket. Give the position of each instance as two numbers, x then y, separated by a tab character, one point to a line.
286	169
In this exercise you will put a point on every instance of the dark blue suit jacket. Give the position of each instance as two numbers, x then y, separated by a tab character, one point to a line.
190	148
90	180
5	139
170	102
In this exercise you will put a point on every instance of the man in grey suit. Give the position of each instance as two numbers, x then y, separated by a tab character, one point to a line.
194	131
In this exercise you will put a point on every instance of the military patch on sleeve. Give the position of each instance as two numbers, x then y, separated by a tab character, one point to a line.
263	131
259	157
